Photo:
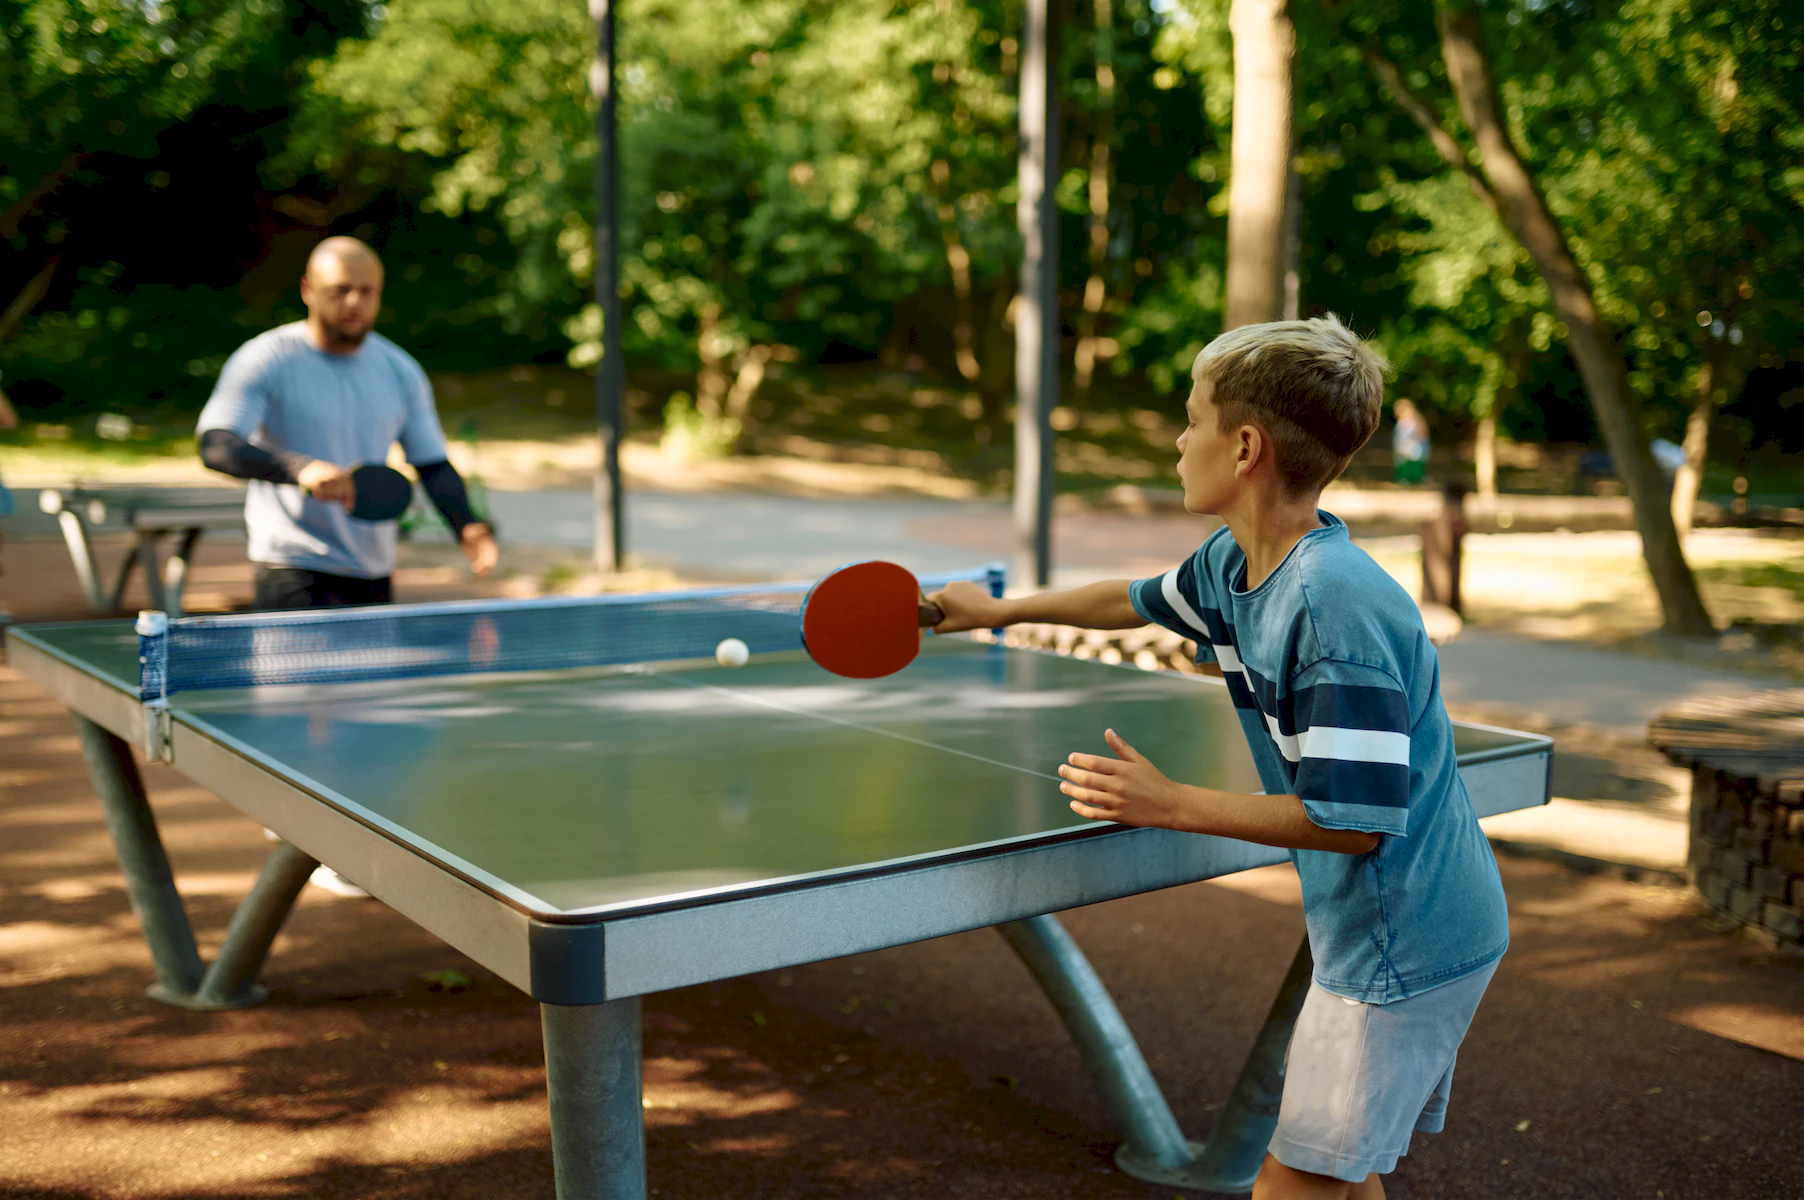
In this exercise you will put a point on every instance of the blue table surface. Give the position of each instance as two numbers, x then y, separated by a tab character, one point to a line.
595	787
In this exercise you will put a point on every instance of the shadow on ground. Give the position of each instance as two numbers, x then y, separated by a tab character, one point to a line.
1627	1048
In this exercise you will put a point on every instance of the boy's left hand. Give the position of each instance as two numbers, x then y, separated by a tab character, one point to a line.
1128	789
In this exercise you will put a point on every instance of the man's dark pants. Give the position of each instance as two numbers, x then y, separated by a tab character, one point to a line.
294	587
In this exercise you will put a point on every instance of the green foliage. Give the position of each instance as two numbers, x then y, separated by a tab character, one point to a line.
694	435
807	173
1659	132
1669	133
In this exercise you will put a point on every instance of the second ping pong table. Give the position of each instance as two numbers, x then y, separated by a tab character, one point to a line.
594	833
150	515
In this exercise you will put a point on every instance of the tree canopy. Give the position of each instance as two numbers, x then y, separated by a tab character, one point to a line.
835	180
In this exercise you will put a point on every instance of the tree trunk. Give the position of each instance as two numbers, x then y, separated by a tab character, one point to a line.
958	263
1484	454
1265	44
1711	391
1096	289
1293	243
1484	407
27	204
28	297
711	381
997	379
747	379
1524	211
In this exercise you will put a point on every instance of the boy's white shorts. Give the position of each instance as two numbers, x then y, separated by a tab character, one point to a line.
1360	1079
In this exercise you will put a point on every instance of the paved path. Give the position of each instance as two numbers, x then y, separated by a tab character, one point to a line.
1576	685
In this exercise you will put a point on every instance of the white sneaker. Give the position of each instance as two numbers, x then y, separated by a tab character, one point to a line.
338	885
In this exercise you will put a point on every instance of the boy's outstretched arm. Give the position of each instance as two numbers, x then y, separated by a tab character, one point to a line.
1131	790
1102	605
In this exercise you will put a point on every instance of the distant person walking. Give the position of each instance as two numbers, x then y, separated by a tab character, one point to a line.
1410	446
294	411
297	407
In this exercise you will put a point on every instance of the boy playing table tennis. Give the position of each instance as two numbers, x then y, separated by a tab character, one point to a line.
1338	690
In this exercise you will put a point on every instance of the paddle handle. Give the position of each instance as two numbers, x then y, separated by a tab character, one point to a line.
930	614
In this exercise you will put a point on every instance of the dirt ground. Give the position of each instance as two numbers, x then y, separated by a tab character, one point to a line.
1627	1047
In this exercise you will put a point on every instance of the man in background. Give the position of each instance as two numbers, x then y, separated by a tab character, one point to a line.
295	409
298	407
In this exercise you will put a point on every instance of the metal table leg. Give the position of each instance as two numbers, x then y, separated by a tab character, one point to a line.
1230	1160
145	553
231	979
1104	1040
1155	1148
593	1071
81	553
181	978
148	880
175	575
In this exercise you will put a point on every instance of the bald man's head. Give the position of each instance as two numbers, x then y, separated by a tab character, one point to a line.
341	249
342	290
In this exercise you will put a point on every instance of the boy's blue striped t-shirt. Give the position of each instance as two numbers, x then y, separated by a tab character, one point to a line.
1338	690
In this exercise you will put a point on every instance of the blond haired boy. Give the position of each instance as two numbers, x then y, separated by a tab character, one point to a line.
1338	691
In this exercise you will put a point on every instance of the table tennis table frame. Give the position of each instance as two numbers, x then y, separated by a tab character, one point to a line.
588	976
150	522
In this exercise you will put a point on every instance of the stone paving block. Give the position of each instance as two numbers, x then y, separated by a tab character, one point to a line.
1744	903
1783	919
1772	882
1787	853
1751	842
1714	888
1733	865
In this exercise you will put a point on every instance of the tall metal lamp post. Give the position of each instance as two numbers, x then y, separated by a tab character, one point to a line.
1037	317
610	373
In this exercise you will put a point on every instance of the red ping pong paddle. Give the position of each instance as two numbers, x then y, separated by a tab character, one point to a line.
864	620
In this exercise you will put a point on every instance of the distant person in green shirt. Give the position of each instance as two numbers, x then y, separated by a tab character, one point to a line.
1410	446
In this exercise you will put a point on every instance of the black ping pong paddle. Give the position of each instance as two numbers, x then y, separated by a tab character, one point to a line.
379	493
864	620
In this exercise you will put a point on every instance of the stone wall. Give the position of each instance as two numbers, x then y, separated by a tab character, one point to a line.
1747	854
1150	648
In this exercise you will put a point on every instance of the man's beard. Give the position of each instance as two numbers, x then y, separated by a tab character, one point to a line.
338	335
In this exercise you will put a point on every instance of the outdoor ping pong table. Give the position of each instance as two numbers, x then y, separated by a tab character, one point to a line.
611	828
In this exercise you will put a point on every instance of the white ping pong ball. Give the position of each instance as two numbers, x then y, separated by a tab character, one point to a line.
732	653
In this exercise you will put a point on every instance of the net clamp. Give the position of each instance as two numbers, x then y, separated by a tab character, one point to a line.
153	682
157	744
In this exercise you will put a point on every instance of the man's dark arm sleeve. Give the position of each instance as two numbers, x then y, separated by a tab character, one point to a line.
446	488
226	452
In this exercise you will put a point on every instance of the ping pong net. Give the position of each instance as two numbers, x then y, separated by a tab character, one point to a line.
354	645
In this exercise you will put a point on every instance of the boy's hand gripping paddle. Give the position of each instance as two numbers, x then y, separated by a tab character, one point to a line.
864	621
379	493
